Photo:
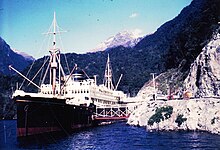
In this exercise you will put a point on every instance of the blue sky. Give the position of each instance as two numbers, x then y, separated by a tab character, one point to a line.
88	22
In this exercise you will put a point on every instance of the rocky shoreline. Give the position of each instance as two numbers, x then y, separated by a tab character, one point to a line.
201	114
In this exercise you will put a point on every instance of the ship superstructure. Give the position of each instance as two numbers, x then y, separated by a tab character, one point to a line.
83	90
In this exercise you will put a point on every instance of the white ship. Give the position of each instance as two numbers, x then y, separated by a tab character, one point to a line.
67	101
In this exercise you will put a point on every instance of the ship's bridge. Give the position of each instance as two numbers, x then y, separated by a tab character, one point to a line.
77	88
47	89
78	75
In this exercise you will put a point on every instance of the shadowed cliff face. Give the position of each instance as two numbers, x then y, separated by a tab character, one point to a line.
180	40
9	57
177	43
204	76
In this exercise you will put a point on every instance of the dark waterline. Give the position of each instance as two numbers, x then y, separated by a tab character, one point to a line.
116	136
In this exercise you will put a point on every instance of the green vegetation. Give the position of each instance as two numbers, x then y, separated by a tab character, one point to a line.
7	105
179	120
161	114
213	120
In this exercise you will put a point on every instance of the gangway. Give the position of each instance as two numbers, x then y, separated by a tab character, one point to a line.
114	112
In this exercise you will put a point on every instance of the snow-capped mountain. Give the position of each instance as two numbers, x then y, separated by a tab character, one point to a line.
125	38
25	55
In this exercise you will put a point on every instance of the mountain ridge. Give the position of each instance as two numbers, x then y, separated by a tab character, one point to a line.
25	55
9	57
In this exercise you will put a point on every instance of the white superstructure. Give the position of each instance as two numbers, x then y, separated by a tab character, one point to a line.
82	90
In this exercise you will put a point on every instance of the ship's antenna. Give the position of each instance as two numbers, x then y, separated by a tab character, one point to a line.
108	75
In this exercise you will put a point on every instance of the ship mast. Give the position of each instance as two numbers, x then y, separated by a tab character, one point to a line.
54	52
108	75
55	64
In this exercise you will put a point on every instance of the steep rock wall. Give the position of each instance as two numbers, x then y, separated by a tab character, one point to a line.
204	76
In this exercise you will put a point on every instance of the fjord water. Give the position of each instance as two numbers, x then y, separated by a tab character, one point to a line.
116	136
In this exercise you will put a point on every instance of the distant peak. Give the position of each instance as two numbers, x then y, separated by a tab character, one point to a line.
124	38
25	55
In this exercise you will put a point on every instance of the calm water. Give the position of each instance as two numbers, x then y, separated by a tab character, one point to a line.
116	136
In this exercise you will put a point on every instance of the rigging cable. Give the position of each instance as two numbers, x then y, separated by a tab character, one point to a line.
27	74
46	72
62	47
39	70
86	74
41	75
34	60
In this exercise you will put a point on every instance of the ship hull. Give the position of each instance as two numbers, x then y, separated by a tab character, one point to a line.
37	115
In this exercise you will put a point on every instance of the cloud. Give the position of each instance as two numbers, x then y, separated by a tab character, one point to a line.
133	15
137	32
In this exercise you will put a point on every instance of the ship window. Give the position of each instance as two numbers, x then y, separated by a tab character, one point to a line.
86	98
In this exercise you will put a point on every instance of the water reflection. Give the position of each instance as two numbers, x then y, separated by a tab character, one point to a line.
115	136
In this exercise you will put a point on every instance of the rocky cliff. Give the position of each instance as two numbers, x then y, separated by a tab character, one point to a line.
204	76
202	113
194	114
